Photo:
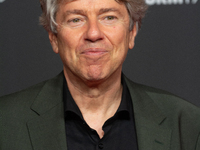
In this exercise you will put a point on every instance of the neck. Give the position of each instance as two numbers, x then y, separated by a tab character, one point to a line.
97	101
92	93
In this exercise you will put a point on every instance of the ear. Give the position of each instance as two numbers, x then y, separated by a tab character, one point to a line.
53	41
132	36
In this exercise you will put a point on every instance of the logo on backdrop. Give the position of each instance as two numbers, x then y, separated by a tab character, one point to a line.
1	1
170	2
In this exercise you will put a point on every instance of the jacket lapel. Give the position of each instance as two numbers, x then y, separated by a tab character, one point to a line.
149	119
47	130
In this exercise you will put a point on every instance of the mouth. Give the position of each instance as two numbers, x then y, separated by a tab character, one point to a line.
94	52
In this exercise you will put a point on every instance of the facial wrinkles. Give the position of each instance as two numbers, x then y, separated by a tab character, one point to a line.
85	11
101	44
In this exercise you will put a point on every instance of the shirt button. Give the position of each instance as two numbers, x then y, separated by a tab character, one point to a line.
100	146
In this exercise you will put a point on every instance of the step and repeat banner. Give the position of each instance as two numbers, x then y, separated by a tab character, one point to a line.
166	53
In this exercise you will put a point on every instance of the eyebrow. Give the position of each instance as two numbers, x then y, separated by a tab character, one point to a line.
105	10
69	12
75	11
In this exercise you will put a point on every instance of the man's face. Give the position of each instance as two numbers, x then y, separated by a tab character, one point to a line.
92	38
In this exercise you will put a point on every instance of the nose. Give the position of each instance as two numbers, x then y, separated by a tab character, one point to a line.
93	32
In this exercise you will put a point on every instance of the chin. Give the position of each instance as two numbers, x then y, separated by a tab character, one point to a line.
95	76
94	72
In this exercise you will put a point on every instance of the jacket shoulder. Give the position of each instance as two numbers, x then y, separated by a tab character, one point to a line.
168	103
25	97
20	98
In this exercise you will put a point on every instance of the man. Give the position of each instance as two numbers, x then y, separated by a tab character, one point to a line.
92	105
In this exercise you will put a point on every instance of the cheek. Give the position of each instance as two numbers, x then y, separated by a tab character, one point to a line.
120	42
69	37
69	42
68	46
66	51
119	37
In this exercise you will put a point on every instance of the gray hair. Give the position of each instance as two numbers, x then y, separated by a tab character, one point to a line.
136	10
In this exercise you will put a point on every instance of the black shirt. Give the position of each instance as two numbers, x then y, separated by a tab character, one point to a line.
119	130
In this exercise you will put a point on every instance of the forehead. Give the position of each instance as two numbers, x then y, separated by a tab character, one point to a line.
90	3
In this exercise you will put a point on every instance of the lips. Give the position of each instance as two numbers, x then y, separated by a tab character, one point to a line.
94	52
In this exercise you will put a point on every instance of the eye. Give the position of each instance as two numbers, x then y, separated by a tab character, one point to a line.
110	18
76	22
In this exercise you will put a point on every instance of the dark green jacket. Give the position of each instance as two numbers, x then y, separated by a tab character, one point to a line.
33	119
